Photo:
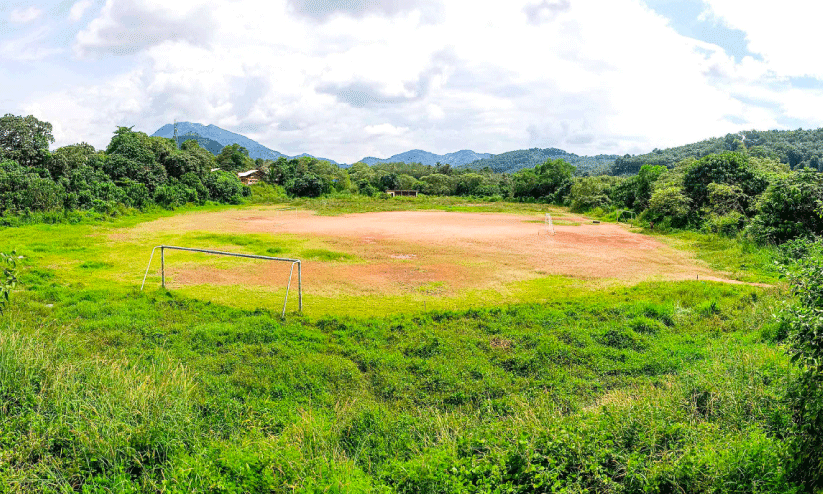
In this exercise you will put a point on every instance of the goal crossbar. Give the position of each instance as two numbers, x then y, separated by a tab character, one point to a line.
232	254
630	214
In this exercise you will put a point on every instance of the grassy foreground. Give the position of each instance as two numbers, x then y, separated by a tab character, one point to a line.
658	387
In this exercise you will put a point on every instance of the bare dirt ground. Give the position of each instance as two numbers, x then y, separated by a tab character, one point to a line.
441	252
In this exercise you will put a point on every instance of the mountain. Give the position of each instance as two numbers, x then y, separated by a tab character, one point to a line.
213	133
513	161
459	158
211	145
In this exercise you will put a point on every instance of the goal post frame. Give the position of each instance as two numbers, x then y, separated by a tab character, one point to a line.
631	214
231	254
549	224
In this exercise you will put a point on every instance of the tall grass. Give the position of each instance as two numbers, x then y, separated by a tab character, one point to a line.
68	421
659	387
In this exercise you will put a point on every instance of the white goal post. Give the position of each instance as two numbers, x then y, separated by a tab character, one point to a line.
232	254
632	217
549	224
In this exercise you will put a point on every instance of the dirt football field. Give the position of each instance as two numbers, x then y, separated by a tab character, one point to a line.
435	252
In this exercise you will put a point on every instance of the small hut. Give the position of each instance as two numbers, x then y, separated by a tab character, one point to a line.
251	176
402	193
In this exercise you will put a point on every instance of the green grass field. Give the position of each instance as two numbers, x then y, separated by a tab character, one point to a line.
565	387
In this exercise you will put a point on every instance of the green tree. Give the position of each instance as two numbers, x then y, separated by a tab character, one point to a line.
134	146
588	193
25	140
234	158
22	190
438	184
134	156
669	206
725	168
84	185
68	158
306	185
791	207
224	187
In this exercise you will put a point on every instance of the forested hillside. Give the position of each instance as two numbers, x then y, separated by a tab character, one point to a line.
796	148
513	161
210	145
212	133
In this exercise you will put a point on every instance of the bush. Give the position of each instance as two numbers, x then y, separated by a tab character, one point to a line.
729	224
591	192
224	187
804	321
23	190
8	280
790	208
669	206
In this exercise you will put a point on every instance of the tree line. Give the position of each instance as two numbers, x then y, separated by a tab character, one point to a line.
795	148
745	190
134	170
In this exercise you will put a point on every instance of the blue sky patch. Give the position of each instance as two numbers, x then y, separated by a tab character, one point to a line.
684	18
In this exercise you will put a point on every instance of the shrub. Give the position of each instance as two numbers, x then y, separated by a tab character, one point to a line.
804	321
728	224
8	281
790	208
224	187
23	190
669	206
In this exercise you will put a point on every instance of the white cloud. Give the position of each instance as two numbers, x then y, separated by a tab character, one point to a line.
78	9
127	26
385	129
23	16
783	34
374	78
32	46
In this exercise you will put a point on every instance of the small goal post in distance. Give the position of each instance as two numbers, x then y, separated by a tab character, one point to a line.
232	254
549	224
631	215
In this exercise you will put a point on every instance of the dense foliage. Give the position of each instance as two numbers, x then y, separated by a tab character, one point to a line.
134	171
796	148
740	184
514	161
803	321
8	278
656	388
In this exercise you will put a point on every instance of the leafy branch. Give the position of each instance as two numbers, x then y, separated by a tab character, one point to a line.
8	281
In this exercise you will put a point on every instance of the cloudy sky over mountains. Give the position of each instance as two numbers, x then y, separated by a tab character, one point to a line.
353	78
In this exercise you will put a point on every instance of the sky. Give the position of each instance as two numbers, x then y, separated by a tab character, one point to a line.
347	79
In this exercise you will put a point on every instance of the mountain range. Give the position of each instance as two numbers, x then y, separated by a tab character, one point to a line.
206	135
460	158
214	139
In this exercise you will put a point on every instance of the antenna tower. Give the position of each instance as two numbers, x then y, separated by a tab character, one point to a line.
176	144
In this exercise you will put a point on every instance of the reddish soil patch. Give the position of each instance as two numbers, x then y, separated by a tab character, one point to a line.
407	250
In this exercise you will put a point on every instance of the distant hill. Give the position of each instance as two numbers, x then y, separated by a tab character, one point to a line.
797	148
513	161
223	138
212	146
459	158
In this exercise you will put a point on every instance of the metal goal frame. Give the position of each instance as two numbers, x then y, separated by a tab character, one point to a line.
549	224
630	214
231	254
